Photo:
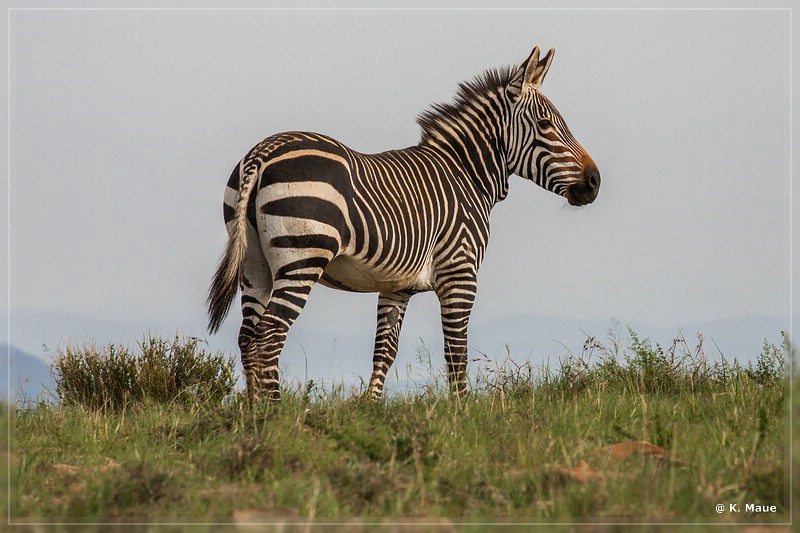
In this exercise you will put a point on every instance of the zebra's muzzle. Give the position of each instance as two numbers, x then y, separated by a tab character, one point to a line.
585	191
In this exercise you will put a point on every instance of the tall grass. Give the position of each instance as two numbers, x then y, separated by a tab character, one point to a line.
635	366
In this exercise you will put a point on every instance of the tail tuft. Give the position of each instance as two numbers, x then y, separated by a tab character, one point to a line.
225	284
229	273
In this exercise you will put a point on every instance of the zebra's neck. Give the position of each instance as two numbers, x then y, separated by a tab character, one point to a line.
470	135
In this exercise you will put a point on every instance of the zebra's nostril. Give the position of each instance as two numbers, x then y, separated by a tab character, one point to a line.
591	175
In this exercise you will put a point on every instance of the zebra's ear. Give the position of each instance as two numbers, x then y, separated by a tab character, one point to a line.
531	73
542	66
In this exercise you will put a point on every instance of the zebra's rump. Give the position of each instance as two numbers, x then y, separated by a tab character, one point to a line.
349	273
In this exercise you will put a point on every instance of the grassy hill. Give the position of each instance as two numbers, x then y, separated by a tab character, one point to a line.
641	434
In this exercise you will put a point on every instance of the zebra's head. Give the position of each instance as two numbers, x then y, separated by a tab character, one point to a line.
540	146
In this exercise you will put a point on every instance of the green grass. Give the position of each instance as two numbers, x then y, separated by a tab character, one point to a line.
527	445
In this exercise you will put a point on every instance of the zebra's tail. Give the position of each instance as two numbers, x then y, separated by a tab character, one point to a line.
230	270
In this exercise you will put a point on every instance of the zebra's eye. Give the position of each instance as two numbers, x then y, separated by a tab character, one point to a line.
544	122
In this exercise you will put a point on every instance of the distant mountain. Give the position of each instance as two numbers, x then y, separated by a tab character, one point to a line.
29	378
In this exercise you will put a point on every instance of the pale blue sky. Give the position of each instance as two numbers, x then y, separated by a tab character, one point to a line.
125	125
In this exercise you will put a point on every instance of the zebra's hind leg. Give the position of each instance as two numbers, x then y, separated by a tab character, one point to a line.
256	288
296	262
391	310
288	298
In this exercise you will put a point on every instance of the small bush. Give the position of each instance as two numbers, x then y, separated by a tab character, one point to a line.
770	364
111	377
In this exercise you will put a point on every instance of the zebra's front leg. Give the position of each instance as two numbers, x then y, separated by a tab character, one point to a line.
456	298
391	310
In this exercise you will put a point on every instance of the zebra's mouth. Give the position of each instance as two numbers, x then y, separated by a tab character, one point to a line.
579	195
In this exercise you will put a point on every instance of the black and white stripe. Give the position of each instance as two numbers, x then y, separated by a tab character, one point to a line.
302	208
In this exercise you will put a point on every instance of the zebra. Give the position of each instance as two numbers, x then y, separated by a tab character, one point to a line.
302	208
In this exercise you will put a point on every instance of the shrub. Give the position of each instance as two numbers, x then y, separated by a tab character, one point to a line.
770	364
111	377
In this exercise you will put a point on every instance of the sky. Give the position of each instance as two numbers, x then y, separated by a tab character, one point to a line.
124	126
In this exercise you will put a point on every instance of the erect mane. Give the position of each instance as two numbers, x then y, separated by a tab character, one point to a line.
468	92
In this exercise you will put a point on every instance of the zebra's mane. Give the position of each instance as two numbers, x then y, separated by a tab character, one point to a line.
468	93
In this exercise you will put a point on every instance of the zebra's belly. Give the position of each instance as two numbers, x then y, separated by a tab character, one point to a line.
350	274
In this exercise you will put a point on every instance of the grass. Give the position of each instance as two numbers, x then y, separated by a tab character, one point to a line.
621	433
